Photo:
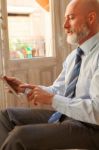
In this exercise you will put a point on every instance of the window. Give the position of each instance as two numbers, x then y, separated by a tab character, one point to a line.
29	29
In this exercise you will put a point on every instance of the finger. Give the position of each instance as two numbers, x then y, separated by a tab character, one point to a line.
30	97
29	93
35	100
27	86
9	78
34	103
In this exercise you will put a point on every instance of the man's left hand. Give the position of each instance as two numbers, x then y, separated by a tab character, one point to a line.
38	95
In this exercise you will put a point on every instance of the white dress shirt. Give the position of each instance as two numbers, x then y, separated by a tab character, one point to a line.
85	105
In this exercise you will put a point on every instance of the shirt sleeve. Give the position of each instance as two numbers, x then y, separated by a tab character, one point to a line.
83	109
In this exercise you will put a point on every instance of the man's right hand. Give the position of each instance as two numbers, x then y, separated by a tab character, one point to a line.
14	83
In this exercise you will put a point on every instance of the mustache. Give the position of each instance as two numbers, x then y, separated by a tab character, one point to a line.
69	31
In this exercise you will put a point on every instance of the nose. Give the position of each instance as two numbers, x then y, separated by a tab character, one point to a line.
66	24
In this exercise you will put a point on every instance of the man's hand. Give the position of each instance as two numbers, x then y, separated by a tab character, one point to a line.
14	83
38	95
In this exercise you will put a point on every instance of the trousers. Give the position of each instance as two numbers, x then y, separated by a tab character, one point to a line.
28	129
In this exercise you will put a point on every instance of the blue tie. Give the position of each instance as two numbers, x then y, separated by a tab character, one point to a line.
70	91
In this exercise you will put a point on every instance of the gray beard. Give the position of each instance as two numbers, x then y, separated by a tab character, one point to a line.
75	38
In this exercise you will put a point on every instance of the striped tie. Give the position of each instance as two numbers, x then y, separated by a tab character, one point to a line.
70	91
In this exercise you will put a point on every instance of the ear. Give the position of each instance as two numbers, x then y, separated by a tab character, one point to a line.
92	17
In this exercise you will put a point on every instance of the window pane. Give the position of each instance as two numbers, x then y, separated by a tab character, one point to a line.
29	27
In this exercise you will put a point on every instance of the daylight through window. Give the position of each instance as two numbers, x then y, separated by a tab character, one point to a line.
29	29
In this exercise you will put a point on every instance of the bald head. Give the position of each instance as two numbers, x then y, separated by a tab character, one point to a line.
86	5
82	19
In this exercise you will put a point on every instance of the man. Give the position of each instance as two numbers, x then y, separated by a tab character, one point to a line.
76	122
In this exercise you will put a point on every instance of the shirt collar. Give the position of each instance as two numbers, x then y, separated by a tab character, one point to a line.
90	44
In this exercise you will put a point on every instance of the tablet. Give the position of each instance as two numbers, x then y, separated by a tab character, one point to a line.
10	87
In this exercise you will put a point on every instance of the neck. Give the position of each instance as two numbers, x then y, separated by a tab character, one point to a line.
91	34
